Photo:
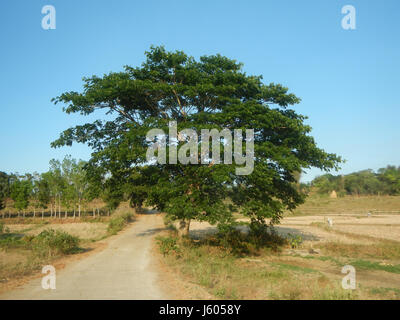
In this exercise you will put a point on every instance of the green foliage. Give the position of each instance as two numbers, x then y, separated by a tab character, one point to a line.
116	224
168	245
366	182
210	93
50	243
260	236
46	244
20	192
294	240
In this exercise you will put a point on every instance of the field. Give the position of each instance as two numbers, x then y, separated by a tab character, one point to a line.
308	264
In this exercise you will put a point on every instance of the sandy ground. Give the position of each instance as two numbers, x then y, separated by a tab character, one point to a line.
123	270
376	226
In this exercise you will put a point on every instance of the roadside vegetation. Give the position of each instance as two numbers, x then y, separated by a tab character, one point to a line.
116	224
229	273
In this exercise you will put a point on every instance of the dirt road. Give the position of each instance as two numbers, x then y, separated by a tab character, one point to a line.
123	270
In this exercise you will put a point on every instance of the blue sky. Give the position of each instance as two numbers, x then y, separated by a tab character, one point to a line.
348	79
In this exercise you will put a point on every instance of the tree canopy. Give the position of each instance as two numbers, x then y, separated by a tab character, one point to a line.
212	92
386	181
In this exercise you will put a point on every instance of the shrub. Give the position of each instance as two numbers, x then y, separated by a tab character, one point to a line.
8	241
118	223
168	245
294	240
259	236
50	242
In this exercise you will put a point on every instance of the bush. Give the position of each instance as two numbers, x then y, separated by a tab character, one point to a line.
259	236
168	245
118	223
8	241
294	240
50	242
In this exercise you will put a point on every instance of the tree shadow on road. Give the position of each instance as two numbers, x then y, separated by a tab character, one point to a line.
151	232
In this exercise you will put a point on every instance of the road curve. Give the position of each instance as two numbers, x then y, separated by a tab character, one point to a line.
123	270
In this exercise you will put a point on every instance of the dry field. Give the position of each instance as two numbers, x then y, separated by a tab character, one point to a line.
82	230
310	266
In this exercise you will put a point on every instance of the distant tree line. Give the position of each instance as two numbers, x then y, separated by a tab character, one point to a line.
65	186
385	181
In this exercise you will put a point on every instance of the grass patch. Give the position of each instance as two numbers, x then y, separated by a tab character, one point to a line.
291	267
393	293
369	265
228	275
116	224
384	249
335	293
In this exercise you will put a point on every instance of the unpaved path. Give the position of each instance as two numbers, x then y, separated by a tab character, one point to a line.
123	270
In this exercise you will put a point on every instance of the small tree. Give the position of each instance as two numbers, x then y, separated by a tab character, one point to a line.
20	192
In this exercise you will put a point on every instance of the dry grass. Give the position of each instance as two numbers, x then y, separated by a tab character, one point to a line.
349	205
83	230
370	243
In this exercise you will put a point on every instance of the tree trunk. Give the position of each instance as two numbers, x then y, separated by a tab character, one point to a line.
34	212
184	228
187	229
94	213
42	214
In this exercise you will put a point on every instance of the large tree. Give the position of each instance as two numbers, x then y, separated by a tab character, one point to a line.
210	93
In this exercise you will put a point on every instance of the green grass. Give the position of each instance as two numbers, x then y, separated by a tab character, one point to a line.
290	267
369	265
385	292
335	293
117	223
